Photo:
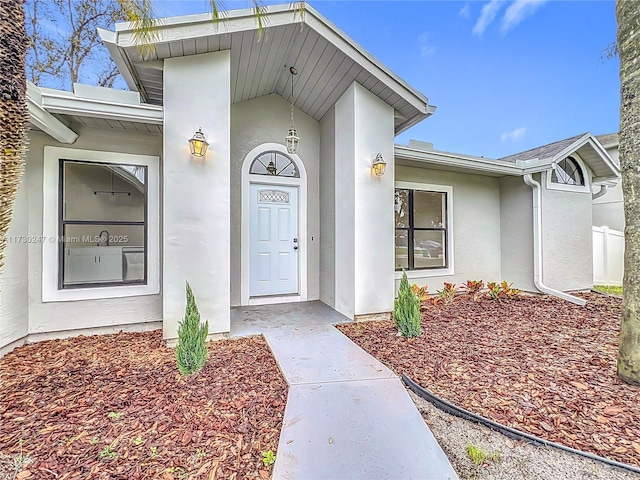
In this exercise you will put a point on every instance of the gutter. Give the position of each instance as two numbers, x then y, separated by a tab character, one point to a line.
599	193
537	245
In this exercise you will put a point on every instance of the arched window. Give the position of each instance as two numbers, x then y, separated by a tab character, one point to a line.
274	164
568	172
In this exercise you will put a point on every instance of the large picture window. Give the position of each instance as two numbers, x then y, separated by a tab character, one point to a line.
421	229
103	224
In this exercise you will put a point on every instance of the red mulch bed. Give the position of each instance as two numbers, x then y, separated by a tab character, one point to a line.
538	364
62	402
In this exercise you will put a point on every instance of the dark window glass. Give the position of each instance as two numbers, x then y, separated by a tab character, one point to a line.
567	172
103	218
275	164
421	222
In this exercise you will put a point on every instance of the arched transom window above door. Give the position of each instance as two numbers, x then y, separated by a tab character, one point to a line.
274	164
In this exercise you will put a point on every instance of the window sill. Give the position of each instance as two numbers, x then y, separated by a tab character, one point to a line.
436	272
98	293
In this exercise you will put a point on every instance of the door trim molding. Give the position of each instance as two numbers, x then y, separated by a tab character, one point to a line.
247	180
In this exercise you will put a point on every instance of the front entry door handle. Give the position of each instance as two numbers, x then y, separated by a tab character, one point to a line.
295	247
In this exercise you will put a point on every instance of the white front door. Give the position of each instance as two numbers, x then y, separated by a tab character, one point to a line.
273	239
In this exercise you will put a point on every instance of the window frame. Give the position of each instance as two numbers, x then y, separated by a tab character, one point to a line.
448	247
52	232
564	187
62	222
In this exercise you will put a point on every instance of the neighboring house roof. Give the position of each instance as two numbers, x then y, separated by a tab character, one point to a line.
608	140
546	151
327	60
586	146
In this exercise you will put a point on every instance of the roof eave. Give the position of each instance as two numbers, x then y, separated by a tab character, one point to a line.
88	107
122	61
464	162
195	26
42	119
602	152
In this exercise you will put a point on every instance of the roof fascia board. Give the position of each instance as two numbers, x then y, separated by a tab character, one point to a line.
122	61
590	139
180	20
358	54
45	121
86	107
175	29
458	161
203	26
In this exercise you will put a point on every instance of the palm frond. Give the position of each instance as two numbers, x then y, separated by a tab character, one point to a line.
142	14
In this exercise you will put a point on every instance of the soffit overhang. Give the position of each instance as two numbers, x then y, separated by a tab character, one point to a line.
327	60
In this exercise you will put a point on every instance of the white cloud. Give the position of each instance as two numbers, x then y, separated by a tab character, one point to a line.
518	11
488	13
426	47
465	12
514	136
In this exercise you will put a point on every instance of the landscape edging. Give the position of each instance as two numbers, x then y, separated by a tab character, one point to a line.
503	429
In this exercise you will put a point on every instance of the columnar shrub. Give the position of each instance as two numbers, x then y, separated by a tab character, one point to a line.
406	313
191	352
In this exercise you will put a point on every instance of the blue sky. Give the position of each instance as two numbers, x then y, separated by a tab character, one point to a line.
506	75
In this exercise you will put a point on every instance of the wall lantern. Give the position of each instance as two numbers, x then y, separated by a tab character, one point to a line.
292	139
379	165
198	144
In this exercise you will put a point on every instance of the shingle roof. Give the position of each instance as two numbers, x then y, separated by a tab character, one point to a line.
608	140
546	151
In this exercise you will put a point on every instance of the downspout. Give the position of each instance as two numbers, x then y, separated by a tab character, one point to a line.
537	245
599	193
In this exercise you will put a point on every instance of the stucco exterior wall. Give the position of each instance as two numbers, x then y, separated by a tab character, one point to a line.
77	315
608	210
14	298
364	246
197	210
266	120
516	233
567	239
476	226
328	208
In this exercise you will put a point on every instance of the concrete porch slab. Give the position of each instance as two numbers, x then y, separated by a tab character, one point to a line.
259	319
357	430
321	353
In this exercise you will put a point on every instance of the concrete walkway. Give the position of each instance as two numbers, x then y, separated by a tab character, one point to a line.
347	415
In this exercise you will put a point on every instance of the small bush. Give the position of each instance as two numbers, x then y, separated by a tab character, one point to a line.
191	352
503	289
474	287
508	290
406	312
421	292
495	292
446	295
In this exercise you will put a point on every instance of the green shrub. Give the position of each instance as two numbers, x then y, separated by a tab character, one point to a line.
406	312
191	352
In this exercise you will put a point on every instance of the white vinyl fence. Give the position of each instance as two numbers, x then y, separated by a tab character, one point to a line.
608	253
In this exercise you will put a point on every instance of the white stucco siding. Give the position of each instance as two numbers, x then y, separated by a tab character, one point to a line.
364	242
197	218
567	242
14	299
516	233
374	196
608	210
78	315
476	226
266	120
328	208
344	199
